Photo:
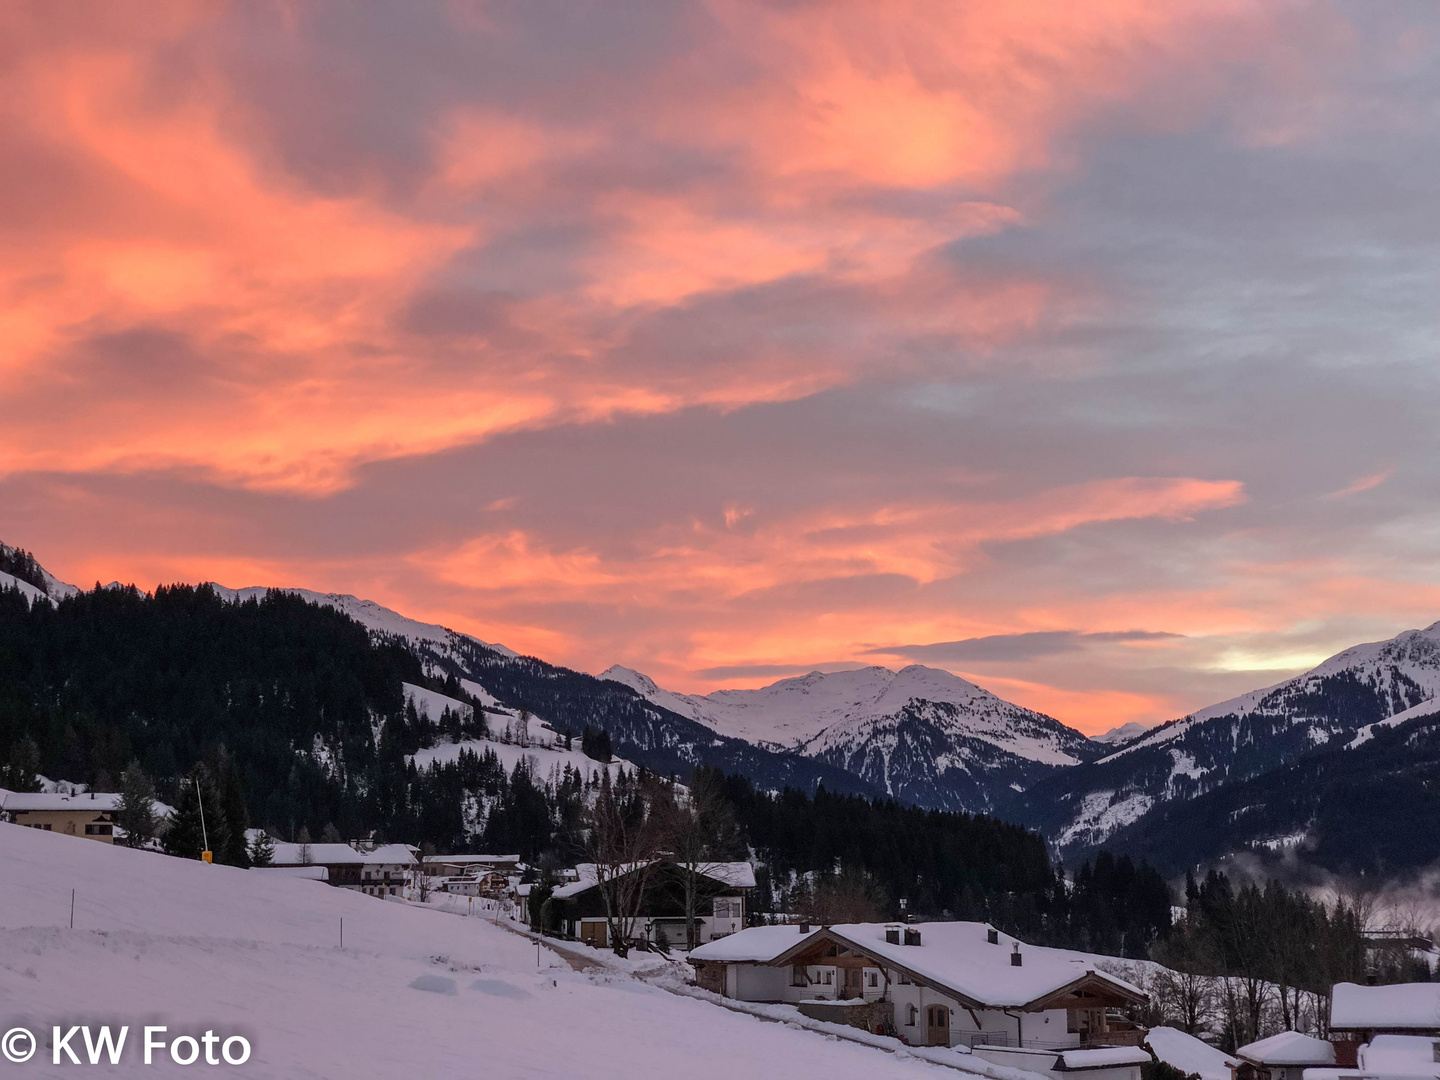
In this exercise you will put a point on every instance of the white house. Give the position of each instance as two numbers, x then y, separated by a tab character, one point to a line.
90	814
1285	1056
935	984
382	870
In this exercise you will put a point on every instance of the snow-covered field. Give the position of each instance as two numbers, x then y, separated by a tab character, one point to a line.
415	991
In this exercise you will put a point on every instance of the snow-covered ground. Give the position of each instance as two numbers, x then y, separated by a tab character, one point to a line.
415	991
544	756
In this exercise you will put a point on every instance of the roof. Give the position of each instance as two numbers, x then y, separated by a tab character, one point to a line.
1400	1005
1189	1054
99	801
1104	1057
957	957
1399	1055
758	945
1289	1048
464	860
342	855
737	875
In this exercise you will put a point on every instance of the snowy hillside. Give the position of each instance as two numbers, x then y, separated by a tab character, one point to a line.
920	734
20	571
415	991
1342	702
377	619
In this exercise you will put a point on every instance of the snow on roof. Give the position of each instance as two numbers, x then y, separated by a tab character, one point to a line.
953	955
1401	1005
738	875
1189	1054
464	860
342	855
1289	1048
1103	1057
958	955
99	801
758	945
1399	1055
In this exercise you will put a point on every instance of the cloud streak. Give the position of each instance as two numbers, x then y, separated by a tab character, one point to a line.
1016	647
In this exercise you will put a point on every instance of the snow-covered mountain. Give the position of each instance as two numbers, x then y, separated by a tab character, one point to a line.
378	620
1342	702
1117	736
19	570
920	734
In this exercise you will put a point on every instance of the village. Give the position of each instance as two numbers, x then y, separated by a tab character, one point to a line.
968	987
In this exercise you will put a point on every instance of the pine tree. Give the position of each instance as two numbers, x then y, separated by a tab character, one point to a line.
230	846
21	772
136	810
262	849
191	826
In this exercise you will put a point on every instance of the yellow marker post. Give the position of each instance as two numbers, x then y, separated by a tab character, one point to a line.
208	856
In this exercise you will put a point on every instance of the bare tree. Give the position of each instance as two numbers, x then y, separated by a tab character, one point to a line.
302	847
698	829
623	841
850	896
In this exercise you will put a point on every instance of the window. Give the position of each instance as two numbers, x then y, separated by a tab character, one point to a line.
904	979
798	976
829	977
872	979
97	830
910	1013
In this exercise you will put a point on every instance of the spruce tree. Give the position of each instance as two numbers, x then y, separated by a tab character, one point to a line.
262	849
136	810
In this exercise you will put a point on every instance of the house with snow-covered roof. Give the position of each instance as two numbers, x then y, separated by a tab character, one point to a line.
577	908
361	866
90	814
933	984
1285	1056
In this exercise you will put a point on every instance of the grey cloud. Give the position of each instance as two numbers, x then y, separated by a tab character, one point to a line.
1029	646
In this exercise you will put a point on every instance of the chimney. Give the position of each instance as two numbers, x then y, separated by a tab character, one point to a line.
892	935
804	927
1015	958
912	937
992	936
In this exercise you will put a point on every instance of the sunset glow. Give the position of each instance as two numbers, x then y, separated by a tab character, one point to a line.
731	340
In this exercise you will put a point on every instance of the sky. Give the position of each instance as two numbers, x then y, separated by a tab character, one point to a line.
1085	350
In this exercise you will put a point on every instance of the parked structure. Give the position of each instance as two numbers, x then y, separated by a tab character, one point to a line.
1285	1056
945	984
577	908
375	870
91	814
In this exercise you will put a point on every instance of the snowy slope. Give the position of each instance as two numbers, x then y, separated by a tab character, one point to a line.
431	704
415	992
48	587
1342	702
377	619
920	734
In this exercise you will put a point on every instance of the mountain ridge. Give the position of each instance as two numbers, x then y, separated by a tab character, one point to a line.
921	734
